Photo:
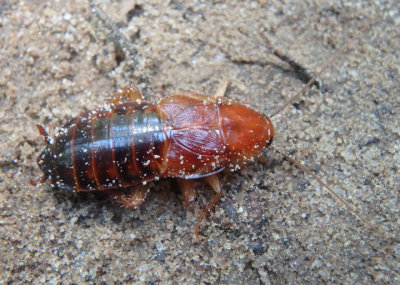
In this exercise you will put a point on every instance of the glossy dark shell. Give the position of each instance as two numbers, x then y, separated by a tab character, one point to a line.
106	148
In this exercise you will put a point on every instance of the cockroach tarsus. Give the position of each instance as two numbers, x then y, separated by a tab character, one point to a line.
121	147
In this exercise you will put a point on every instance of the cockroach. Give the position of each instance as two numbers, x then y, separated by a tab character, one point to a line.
125	145
122	146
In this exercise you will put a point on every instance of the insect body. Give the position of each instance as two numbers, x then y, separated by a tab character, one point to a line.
125	145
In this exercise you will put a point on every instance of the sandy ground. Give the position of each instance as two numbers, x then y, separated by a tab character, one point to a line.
274	224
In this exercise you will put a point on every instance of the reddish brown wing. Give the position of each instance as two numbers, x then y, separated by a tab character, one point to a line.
194	129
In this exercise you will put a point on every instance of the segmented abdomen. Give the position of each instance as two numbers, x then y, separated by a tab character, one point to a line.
108	148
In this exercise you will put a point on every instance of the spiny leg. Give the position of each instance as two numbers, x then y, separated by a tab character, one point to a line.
130	91
131	198
47	140
187	189
43	133
221	90
213	180
35	182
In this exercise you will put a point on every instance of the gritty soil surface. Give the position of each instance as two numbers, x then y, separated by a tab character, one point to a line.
274	224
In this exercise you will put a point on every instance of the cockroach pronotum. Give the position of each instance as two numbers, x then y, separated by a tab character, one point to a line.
124	145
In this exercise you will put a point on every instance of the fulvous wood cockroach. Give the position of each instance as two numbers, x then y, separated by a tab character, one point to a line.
125	145
122	146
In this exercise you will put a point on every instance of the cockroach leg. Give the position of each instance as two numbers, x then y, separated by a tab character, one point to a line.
131	198
187	189
130	91
222	88
43	132
213	180
37	181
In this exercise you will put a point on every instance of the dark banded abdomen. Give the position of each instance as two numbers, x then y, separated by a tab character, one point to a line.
107	148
